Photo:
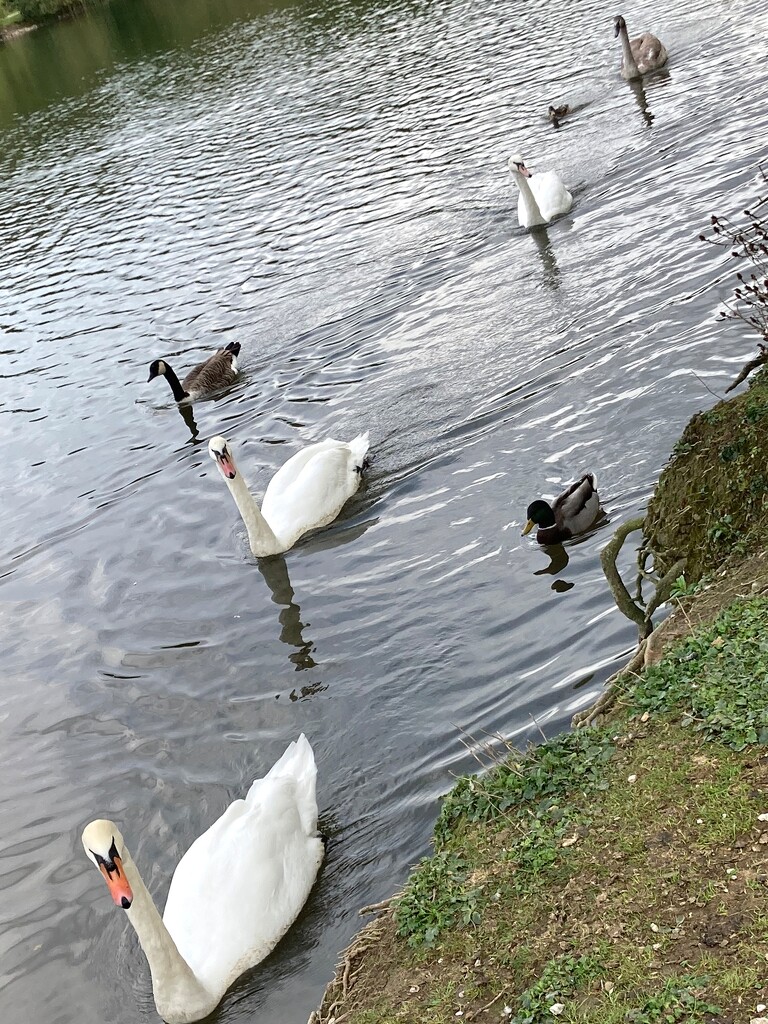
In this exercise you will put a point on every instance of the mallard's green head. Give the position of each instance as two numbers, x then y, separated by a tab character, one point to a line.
539	514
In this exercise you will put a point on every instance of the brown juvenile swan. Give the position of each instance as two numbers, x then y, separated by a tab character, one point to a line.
641	55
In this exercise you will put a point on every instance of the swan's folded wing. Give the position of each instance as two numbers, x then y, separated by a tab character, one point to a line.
315	496
241	884
553	197
292	469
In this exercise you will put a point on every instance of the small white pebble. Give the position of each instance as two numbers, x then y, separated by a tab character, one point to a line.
759	1020
439	959
507	1011
608	986
699	821
631	778
654	927
460	993
557	1008
760	1007
656	945
478	962
459	1013
762	817
413	988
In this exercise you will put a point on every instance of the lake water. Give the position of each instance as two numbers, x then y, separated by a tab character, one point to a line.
328	187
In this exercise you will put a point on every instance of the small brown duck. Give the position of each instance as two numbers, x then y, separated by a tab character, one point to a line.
572	512
556	114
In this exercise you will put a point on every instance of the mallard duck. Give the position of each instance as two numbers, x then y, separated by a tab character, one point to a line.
307	492
641	55
207	377
573	511
234	894
543	196
555	114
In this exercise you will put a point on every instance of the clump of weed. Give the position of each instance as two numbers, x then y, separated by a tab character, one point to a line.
718	678
680	999
436	897
534	782
560	979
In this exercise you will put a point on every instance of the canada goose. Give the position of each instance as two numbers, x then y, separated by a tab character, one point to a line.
556	114
211	375
234	894
641	55
542	196
572	512
307	492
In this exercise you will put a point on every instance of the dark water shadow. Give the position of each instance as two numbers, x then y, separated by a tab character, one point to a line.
638	88
275	572
189	418
551	271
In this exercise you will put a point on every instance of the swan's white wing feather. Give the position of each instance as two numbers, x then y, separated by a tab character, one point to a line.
291	469
311	494
242	883
552	196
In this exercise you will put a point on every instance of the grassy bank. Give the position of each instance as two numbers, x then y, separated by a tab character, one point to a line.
17	15
615	874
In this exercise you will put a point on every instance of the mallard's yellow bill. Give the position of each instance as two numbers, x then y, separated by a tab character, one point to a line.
528	527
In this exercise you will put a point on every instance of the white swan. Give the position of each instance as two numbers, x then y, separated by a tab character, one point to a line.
542	196
234	894
641	55
306	493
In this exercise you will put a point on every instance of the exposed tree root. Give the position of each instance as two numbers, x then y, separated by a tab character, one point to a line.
634	610
349	967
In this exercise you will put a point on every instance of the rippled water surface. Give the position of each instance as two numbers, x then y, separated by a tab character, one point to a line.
328	187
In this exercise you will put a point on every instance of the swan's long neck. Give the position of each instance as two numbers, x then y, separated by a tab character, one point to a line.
260	535
179	996
532	208
178	391
630	68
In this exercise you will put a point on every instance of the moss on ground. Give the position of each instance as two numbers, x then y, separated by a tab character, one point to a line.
711	502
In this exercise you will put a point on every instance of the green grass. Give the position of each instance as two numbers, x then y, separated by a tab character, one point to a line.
718	679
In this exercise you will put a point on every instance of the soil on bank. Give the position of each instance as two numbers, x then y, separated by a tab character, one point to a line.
619	873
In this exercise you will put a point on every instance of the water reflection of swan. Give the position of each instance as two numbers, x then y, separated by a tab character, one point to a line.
638	91
547	257
275	572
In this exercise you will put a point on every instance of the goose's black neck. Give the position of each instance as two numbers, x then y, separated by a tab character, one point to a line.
178	391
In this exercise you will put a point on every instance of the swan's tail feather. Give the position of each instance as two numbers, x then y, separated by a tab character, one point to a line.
359	447
297	763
